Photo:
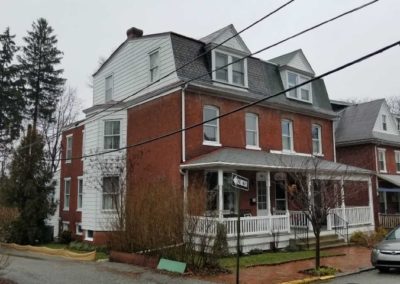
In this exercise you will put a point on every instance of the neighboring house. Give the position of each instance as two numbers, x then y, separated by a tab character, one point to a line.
263	143
367	136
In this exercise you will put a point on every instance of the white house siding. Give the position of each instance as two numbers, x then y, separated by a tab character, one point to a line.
390	121
300	62
93	217
130	68
233	43
54	219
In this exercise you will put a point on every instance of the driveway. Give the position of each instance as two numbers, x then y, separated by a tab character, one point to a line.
35	268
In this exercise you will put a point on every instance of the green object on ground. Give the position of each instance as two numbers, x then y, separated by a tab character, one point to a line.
271	258
170	265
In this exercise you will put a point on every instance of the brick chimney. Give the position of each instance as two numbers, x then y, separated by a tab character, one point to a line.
134	33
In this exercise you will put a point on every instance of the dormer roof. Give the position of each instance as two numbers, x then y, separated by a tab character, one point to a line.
223	34
296	60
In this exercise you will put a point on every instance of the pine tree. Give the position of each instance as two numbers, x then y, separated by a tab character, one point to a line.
11	100
39	61
30	189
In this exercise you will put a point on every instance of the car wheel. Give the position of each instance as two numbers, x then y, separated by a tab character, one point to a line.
383	269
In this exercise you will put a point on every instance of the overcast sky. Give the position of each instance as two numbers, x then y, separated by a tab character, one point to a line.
88	30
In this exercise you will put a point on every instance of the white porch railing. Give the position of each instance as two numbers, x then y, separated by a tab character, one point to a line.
389	221
355	216
248	225
298	219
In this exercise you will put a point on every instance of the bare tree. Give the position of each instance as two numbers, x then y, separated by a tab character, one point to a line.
394	104
67	111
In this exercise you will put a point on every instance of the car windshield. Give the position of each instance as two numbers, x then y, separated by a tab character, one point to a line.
394	235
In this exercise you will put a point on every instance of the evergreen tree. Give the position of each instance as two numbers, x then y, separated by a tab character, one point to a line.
11	100
30	189
39	61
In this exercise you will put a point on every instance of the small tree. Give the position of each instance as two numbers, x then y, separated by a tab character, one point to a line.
30	189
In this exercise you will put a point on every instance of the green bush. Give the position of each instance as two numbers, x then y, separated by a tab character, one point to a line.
220	247
85	246
368	239
65	237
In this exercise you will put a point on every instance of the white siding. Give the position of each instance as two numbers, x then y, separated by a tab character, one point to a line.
301	63
93	217
233	43
390	121
130	68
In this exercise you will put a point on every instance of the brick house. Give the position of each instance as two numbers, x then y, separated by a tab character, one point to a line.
367	136
263	143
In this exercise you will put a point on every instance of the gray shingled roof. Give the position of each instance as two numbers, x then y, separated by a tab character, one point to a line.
357	122
263	77
257	160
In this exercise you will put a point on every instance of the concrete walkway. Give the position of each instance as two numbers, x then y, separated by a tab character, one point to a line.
356	258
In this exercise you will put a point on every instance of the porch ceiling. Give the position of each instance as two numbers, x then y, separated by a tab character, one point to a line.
261	160
393	179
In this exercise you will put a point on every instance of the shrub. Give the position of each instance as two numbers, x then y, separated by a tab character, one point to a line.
220	247
65	237
368	239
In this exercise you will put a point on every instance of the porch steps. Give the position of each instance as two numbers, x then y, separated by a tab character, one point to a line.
327	241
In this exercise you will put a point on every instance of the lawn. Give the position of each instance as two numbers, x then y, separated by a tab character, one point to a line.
270	258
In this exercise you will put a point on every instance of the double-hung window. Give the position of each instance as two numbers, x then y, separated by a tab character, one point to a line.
303	93
252	140
112	133
229	69
382	160
110	192
316	139
80	193
397	158
287	135
109	88
68	152
154	59
384	123
211	128
67	193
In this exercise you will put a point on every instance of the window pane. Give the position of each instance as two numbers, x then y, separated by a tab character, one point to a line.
221	60
316	147
251	122
108	127
153	59
315	132
305	94
286	143
210	133
251	138
210	113
292	79
285	128
238	71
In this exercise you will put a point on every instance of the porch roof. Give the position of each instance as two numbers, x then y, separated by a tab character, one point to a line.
393	179
261	160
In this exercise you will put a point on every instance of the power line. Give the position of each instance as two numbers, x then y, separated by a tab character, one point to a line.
251	54
337	69
193	60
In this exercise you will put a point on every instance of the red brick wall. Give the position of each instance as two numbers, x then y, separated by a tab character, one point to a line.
159	159
232	127
73	170
362	156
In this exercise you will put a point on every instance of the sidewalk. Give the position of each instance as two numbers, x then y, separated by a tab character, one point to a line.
356	258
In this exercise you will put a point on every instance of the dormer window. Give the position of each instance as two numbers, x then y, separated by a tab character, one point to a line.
154	66
235	74
384	124
303	93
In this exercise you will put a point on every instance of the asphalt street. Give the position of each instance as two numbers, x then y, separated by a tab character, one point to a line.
369	277
35	268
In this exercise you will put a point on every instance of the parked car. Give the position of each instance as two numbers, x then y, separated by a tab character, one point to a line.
386	254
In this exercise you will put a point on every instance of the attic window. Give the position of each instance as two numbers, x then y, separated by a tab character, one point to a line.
235	74
303	93
384	124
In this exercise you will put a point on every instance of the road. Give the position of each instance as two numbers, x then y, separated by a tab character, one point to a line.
36	268
369	277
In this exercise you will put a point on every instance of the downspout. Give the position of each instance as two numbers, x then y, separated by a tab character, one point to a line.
183	123
334	139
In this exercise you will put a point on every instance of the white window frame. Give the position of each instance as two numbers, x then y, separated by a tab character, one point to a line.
291	135
106	97
250	115
111	135
87	238
77	225
66	208
230	68
383	152
79	194
384	122
397	160
65	223
314	125
217	129
299	78
155	67
68	147
116	194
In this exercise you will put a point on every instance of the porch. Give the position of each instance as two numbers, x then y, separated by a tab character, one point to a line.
389	200
267	211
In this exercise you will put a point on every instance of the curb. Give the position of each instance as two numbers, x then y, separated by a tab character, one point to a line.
309	280
355	272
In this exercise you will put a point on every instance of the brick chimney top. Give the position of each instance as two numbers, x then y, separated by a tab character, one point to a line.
134	33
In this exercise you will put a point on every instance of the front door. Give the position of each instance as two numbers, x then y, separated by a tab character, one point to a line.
262	208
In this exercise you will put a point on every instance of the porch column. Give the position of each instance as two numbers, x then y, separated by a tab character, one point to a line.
371	201
342	199
385	201
220	194
268	187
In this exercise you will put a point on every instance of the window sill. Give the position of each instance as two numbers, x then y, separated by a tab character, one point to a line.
252	147
68	161
79	210
231	85
65	209
318	155
211	143
89	239
108	211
